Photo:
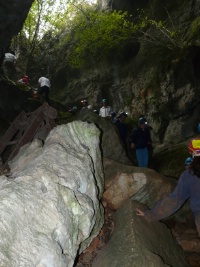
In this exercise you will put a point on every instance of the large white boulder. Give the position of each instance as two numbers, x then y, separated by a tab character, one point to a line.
50	208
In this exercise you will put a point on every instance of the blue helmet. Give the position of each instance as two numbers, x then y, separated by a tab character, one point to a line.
104	100
188	161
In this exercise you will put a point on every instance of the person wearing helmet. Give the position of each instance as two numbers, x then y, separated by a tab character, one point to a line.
188	187
188	162
140	140
8	65
85	104
105	110
44	85
25	80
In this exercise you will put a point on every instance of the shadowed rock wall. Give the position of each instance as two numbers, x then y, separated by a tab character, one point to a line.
12	16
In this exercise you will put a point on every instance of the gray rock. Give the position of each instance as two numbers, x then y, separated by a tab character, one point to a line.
141	184
111	145
50	210
135	243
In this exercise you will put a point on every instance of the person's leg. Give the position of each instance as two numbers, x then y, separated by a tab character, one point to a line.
142	157
145	157
40	93
46	91
139	156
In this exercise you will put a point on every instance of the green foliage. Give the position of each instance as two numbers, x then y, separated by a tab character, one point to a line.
75	33
94	34
64	117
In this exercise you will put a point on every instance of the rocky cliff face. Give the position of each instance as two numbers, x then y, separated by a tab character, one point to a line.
143	80
148	80
12	16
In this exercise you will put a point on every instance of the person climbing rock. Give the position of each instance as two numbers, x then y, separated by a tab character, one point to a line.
44	87
105	110
85	104
9	65
140	140
188	187
25	80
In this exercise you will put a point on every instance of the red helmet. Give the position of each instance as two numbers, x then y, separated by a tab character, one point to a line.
194	147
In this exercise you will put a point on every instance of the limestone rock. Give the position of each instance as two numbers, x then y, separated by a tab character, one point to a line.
110	142
135	243
50	207
122	182
141	184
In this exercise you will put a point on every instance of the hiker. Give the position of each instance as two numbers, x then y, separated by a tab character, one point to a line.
85	104
140	140
188	187
44	87
9	65
105	110
123	131
25	80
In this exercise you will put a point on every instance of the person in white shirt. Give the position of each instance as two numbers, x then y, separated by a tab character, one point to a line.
44	85
9	65
105	111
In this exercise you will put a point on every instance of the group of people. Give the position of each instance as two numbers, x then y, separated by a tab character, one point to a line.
189	182
9	70
139	139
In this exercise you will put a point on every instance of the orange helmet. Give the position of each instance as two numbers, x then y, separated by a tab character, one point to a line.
194	147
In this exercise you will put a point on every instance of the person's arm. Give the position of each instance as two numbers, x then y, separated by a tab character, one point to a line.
168	205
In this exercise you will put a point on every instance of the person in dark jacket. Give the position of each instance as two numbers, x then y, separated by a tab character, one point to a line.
188	187
140	140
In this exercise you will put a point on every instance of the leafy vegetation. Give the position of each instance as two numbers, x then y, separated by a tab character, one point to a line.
77	34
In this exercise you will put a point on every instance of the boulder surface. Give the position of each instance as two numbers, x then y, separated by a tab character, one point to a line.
50	208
